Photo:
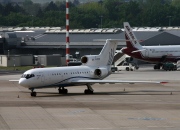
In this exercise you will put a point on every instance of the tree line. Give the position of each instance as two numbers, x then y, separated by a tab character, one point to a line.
104	13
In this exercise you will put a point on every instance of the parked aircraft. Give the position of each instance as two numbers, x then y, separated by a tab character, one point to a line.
154	54
94	68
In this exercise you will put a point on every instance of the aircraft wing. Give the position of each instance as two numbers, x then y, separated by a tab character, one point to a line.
14	80
138	50
117	40
116	81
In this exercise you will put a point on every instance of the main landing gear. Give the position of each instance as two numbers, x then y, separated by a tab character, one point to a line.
89	90
62	90
157	66
33	93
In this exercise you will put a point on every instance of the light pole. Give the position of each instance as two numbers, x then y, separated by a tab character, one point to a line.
101	2
14	63
169	20
32	20
101	20
8	55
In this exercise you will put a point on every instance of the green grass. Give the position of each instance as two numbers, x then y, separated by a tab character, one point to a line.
19	68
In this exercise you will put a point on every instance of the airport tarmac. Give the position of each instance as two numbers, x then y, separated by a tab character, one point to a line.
111	107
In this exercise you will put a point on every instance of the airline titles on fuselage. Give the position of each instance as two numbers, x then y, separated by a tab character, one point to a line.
131	34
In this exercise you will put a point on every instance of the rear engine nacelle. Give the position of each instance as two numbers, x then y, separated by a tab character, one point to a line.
84	59
90	60
101	72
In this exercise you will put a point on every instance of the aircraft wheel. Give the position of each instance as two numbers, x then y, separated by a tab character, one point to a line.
91	92
158	67
155	67
127	69
65	91
87	91
60	91
33	94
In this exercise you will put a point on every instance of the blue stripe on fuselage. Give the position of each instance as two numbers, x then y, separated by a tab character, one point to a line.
66	84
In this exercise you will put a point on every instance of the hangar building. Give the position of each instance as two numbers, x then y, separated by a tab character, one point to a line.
51	40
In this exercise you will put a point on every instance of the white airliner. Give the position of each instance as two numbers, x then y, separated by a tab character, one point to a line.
154	54
94	68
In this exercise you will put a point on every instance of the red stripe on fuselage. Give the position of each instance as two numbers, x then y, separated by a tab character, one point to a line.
139	56
129	51
130	48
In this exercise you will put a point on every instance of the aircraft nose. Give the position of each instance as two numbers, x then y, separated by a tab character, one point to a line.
23	82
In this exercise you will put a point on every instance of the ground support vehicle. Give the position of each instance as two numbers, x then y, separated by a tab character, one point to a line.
169	66
127	66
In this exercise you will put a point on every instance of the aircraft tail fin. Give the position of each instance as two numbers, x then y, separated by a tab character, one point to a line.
106	56
108	52
131	40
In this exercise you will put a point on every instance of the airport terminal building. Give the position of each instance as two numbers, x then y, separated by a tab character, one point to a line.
52	40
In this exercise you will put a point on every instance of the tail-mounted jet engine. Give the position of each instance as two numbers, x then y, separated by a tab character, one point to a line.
101	72
90	60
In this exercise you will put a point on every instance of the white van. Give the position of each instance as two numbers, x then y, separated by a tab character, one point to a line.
127	66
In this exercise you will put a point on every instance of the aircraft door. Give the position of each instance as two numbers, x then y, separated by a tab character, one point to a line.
42	77
146	53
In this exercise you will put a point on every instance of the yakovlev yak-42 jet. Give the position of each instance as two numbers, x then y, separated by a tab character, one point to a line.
153	54
93	70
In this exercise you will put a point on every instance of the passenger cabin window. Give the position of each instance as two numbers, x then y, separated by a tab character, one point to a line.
27	76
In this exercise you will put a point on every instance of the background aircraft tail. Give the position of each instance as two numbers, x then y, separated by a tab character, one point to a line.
131	40
105	58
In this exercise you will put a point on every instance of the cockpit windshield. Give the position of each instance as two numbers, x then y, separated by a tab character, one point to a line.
27	76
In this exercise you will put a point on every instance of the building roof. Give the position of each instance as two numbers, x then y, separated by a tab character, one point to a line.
41	36
41	39
164	38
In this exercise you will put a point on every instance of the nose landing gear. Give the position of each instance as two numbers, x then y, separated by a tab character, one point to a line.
33	93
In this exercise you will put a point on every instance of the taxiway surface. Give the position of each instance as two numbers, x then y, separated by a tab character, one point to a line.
111	107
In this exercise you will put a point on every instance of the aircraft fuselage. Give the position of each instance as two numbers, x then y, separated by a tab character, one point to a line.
57	76
155	53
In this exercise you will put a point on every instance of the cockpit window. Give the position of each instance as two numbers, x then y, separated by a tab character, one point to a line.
27	76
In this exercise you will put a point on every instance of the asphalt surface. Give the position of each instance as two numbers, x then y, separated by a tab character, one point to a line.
111	107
